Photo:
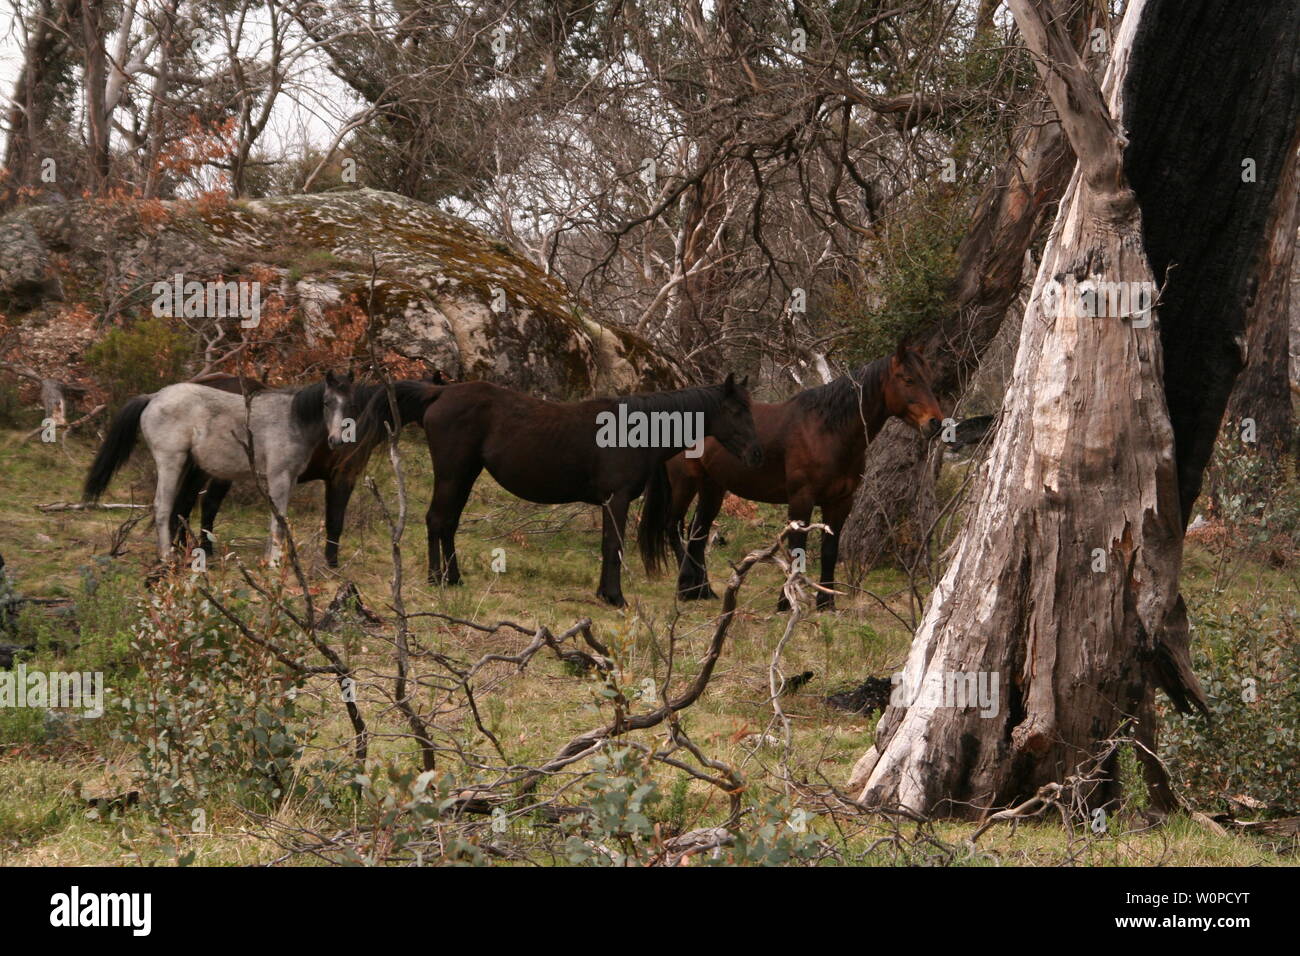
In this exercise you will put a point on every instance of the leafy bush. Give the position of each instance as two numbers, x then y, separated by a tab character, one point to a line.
13	414
212	714
619	828
1250	669
1254	493
906	277
770	837
140	358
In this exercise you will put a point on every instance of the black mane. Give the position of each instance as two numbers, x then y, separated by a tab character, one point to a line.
308	408
701	398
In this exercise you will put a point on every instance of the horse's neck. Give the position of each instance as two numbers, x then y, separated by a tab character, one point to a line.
312	432
872	413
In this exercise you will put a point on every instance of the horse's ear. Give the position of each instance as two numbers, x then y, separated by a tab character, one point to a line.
331	379
744	382
729	386
349	377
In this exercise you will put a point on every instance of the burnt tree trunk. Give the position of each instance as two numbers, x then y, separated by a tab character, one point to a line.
1262	394
1063	584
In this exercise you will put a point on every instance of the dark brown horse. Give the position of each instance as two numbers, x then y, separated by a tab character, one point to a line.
340	468
554	453
813	452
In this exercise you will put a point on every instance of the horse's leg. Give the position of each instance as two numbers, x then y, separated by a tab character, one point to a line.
338	491
693	582
212	498
613	525
800	509
451	489
191	484
279	486
833	516
171	470
684	489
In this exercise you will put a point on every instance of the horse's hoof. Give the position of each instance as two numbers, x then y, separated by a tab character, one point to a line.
825	602
614	600
783	605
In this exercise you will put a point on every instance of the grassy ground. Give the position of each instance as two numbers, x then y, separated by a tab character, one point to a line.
551	565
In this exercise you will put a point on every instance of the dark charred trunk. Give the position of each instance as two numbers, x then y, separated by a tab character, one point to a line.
1260	420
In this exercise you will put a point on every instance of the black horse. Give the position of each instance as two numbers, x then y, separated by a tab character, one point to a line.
554	453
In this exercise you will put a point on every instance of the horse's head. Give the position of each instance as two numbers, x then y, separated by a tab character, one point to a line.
733	423
339	396
907	393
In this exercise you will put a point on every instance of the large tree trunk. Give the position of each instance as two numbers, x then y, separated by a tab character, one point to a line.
895	504
1262	394
35	92
1064	581
96	75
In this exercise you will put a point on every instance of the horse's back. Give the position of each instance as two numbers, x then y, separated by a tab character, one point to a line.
211	426
536	449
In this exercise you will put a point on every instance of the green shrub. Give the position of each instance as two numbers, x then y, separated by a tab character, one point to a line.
13	414
1250	669
906	277
619	795
140	358
212	715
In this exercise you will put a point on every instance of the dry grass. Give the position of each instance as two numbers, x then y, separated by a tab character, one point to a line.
552	561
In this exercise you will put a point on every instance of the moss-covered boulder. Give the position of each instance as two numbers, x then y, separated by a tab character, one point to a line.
443	291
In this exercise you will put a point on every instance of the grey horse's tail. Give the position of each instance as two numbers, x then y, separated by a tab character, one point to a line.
116	448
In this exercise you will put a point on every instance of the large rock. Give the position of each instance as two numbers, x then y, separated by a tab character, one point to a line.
444	292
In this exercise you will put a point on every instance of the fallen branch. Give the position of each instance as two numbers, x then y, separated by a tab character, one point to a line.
88	506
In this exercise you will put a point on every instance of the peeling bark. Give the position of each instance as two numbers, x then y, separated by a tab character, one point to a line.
1064	579
895	502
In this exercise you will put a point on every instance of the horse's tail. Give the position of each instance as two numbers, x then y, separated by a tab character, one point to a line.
652	533
116	448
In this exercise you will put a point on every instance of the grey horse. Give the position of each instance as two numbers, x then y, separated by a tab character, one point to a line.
192	426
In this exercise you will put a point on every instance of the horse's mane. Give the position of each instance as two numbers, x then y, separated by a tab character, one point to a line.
840	402
701	398
309	401
308	407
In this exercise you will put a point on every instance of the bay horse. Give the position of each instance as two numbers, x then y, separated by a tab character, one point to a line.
193	426
340	468
814	447
559	452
